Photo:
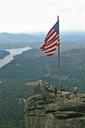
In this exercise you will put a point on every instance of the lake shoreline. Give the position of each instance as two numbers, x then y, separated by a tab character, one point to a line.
12	52
3	53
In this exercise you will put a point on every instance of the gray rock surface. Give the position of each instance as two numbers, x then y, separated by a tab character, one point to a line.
46	111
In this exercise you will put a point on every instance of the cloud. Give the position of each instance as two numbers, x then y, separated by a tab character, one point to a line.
40	15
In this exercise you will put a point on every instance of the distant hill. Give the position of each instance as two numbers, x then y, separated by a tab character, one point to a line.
21	37
73	36
34	65
9	40
34	40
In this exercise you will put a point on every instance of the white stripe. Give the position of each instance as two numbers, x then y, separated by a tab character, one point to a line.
54	38
43	43
50	48
58	42
50	33
50	52
51	37
52	44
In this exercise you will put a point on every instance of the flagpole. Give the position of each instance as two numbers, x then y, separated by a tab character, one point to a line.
59	70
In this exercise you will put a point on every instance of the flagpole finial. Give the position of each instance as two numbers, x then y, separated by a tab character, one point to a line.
58	18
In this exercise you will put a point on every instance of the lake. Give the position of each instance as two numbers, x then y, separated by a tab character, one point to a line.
13	52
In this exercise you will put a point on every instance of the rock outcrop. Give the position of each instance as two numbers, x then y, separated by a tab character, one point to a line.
48	111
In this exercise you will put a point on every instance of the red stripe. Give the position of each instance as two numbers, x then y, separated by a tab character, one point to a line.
50	50
49	32
50	54
52	40
46	43
48	37
52	36
51	46
58	44
55	42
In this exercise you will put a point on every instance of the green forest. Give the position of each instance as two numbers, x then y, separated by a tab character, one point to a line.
34	65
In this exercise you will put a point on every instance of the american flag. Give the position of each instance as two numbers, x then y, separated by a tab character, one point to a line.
51	40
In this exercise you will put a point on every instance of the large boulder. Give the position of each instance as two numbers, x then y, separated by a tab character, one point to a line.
44	111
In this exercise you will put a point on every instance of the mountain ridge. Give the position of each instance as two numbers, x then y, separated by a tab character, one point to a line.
39	36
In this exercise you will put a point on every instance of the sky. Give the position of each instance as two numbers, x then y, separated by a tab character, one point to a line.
24	16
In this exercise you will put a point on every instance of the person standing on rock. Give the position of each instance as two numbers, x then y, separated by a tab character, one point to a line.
46	87
76	89
55	92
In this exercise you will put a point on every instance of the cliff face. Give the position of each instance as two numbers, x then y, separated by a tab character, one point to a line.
46	111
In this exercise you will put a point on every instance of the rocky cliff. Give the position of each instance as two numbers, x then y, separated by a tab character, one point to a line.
49	111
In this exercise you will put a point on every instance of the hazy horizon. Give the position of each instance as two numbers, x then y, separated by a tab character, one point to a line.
40	32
